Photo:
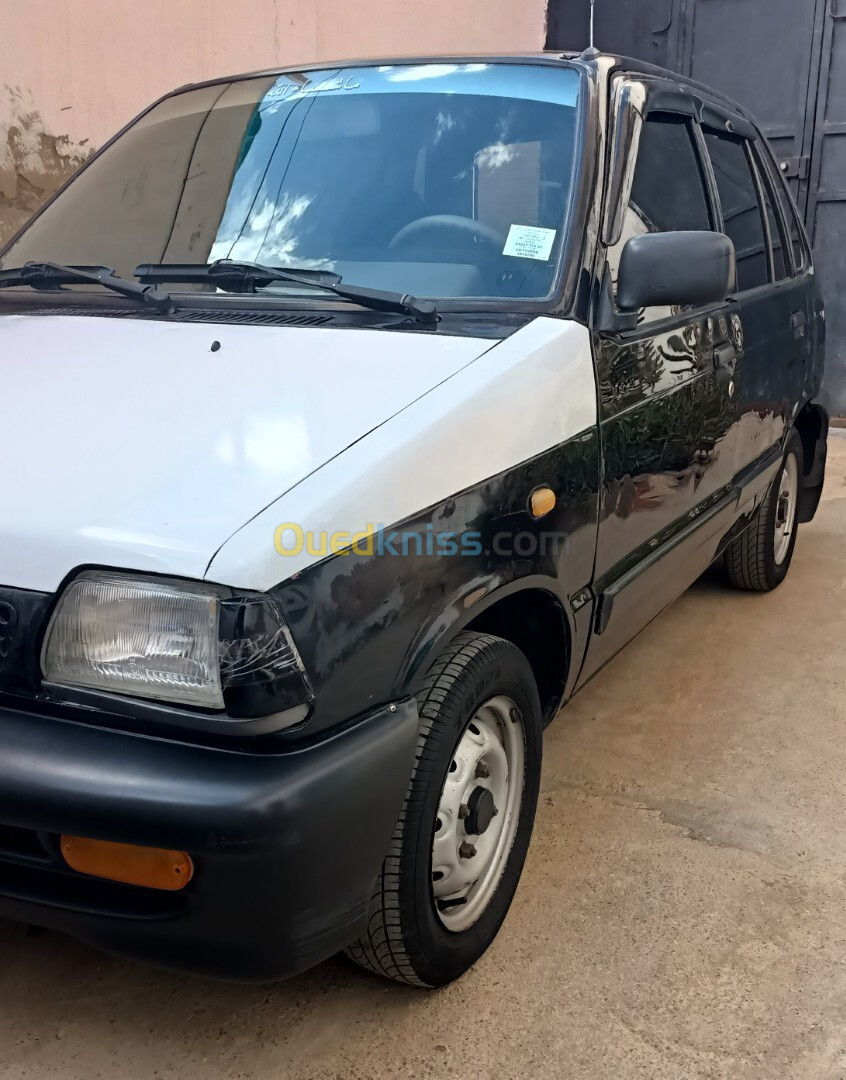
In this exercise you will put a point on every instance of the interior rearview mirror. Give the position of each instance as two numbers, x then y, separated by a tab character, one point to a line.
675	269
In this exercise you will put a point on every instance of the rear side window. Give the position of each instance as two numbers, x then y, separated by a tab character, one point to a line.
781	260
790	215
668	191
742	214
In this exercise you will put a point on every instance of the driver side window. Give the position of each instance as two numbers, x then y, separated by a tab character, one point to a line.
668	192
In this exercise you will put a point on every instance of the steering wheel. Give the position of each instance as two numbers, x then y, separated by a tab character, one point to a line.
465	227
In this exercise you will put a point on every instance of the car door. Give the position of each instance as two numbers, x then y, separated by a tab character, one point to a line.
667	418
770	304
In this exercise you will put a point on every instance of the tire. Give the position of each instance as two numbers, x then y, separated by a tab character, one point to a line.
758	560
476	689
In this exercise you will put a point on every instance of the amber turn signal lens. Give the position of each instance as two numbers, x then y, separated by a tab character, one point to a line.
541	502
154	868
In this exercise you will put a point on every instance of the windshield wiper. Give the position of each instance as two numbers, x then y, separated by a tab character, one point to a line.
247	277
50	277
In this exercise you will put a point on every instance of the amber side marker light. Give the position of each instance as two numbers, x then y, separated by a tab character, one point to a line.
541	502
153	868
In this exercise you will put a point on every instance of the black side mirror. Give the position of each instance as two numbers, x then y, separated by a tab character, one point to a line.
675	269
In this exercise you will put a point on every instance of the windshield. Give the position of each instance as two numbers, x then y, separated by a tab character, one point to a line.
439	180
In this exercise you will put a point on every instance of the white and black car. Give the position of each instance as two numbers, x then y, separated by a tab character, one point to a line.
352	418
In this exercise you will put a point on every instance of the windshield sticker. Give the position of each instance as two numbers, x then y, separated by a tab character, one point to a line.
528	242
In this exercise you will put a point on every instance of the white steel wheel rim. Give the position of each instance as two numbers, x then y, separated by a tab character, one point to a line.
483	787
788	489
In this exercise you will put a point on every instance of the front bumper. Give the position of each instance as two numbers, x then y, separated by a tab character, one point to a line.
286	846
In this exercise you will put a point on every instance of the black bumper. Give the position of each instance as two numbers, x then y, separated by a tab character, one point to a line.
286	847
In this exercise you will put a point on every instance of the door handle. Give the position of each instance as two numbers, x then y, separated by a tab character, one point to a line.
725	362
797	324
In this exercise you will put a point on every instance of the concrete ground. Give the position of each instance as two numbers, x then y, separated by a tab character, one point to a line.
682	913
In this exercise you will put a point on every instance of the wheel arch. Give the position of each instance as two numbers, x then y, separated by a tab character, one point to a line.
812	424
529	613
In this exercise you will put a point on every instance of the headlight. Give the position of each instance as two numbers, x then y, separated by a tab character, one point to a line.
170	641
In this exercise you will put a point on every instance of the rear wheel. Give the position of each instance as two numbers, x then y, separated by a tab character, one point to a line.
758	560
461	840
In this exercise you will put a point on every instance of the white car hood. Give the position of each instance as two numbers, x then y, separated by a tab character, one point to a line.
130	443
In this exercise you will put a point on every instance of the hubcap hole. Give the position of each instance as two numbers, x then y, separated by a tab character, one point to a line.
445	905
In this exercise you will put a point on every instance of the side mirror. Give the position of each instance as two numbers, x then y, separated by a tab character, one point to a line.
675	269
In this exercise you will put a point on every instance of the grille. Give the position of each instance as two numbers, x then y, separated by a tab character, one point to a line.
251	318
269	318
22	613
8	625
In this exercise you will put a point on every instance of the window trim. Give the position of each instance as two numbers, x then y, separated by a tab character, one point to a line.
633	96
650	93
766	187
679	106
758	181
783	197
745	143
718	223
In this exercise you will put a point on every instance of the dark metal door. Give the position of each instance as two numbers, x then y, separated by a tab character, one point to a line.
825	214
783	59
760	53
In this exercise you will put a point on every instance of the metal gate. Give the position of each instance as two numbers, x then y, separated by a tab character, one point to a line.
786	61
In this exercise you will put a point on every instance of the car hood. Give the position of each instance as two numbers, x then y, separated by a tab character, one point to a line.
147	444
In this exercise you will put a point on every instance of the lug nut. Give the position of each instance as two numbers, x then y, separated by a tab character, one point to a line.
464	810
483	770
467	850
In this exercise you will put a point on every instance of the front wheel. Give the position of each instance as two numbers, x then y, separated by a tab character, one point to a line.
758	560
459	846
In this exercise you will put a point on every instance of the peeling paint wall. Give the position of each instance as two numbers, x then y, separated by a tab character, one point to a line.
72	72
33	163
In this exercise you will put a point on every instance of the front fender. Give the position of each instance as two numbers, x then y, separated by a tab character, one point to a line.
368	625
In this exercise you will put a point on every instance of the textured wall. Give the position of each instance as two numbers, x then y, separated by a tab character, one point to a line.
74	71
